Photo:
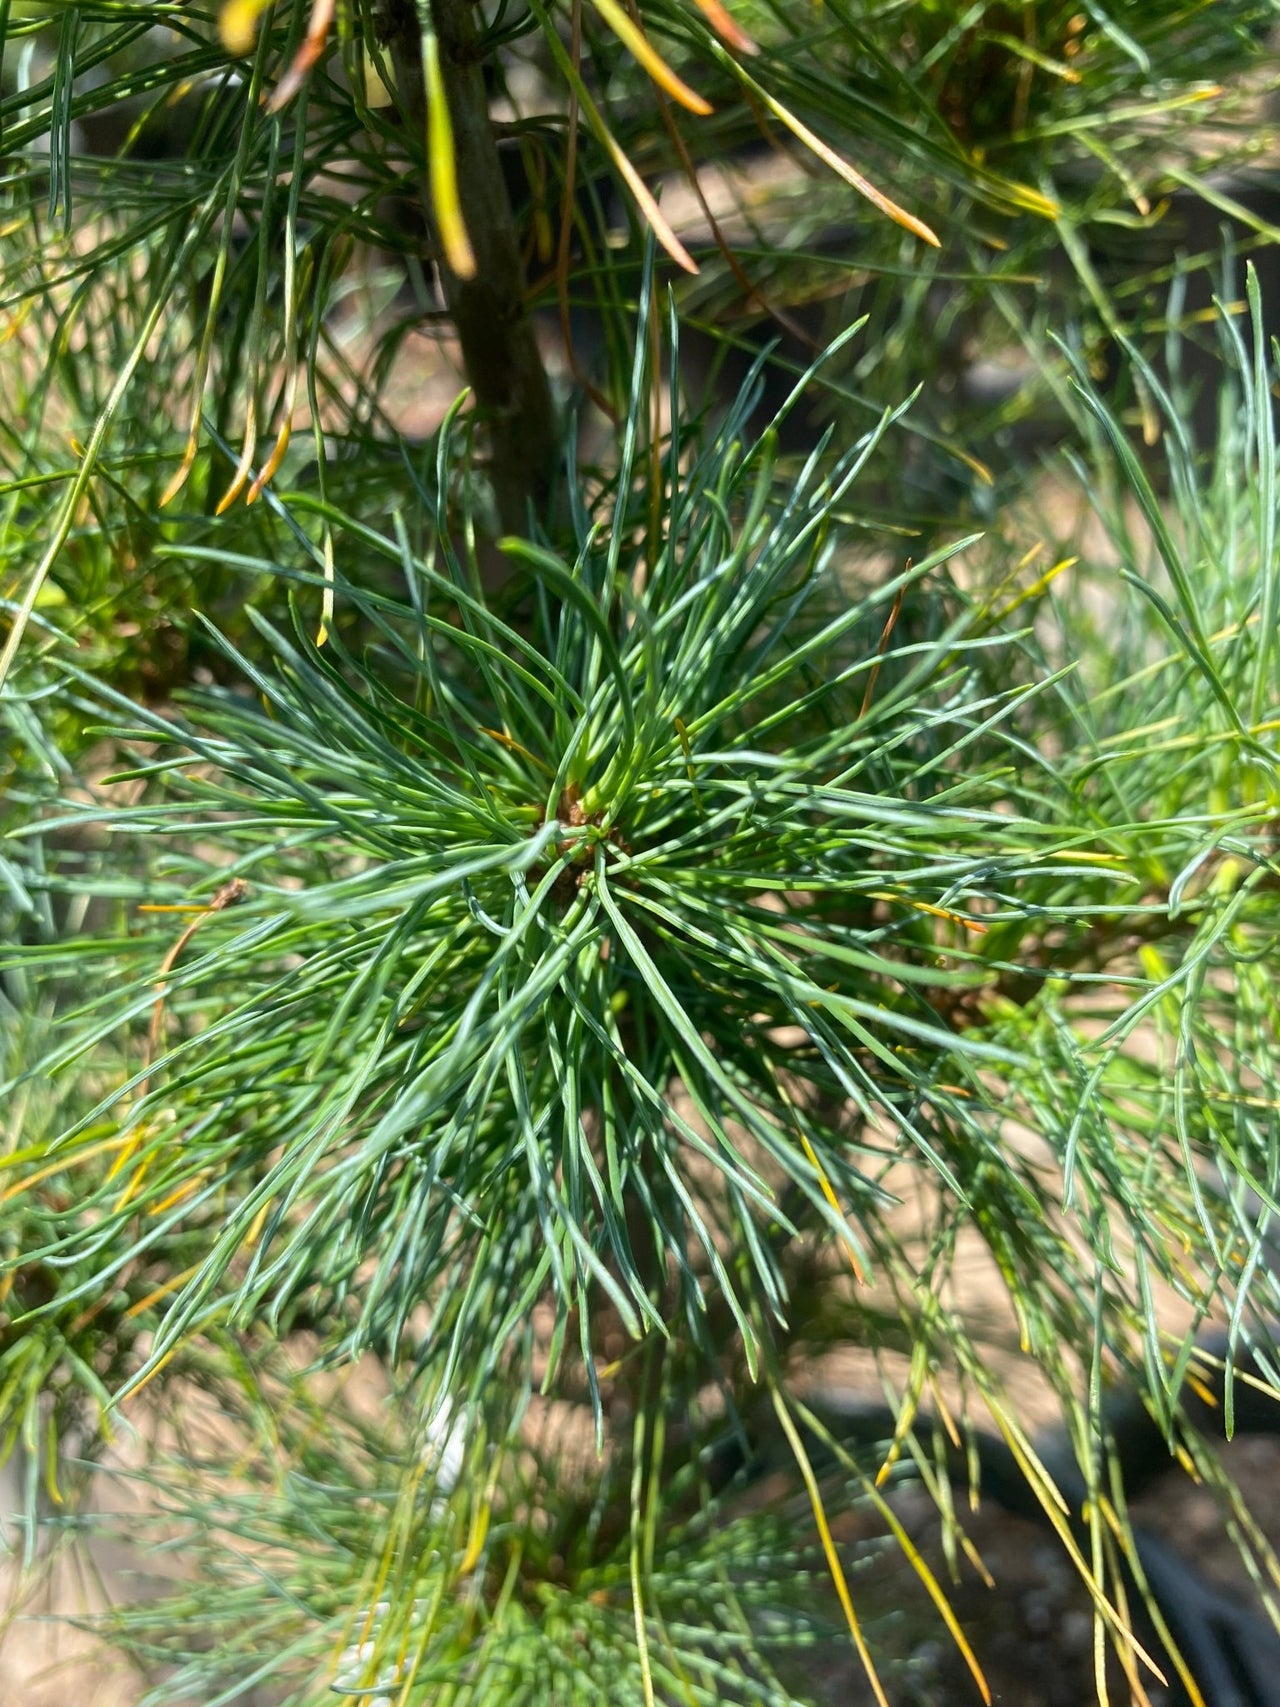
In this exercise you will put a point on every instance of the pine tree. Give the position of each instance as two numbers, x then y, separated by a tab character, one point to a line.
593	899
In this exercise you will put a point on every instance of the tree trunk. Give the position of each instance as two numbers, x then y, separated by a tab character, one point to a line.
499	350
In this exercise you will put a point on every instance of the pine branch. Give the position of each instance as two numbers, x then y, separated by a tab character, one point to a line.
488	310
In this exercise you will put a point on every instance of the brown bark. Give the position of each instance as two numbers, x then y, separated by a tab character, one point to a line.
499	349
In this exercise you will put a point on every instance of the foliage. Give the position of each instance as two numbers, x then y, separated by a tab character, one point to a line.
598	974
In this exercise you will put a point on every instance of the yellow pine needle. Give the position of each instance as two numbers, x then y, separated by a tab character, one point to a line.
1140	1697
975	1558
442	165
1033	56
13	322
858	1273
246	459
232	891
238	24
281	445
1023	196
376	1593
475	1541
142	1381
979	467
131	1190
154	1297
944	1412
1002	586
514	746
326	600
256	1225
907	1416
175	1196
59	1166
1054	1507
1036	588
1088	858
648	206
726	27
173	906
123	1159
292	292
637	1591
184	468
51	1460
1205	1396
829	1547
642	1638
932	1587
634	182
970	924
200	379
638	45
838	164
1114	164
